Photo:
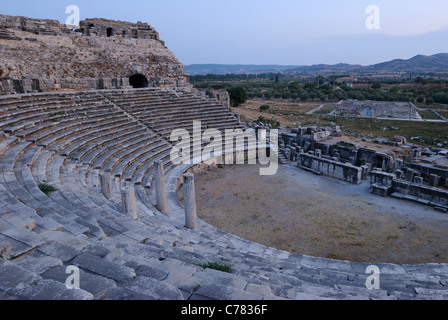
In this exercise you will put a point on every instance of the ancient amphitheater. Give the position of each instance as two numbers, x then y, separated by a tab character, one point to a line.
70	117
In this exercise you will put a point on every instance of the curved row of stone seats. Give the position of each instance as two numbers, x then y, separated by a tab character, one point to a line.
100	269
177	113
155	256
75	137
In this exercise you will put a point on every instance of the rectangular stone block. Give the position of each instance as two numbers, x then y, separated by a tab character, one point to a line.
105	268
53	290
14	279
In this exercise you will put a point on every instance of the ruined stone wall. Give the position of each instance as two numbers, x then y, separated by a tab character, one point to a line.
427	170
42	51
376	109
436	196
111	28
34	26
334	169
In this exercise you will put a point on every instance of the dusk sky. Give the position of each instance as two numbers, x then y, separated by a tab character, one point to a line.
286	32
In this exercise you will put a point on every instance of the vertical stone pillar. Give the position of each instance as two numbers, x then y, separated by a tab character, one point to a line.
384	165
293	154
318	153
398	164
287	153
337	156
161	203
410	175
190	202
433	180
106	184
399	174
354	156
128	201
238	117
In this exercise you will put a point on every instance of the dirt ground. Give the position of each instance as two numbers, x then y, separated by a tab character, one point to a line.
303	213
287	110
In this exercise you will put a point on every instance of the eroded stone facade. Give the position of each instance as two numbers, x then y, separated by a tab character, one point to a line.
43	55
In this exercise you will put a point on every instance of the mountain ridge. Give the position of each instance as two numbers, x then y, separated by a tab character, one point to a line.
436	64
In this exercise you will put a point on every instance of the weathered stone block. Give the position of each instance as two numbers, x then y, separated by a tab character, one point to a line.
104	268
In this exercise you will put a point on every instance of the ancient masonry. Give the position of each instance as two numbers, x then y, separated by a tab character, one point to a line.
106	153
43	55
376	109
421	176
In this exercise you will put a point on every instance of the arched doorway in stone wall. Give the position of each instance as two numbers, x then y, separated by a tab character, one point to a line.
138	81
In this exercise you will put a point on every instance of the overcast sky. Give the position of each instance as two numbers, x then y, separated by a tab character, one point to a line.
287	32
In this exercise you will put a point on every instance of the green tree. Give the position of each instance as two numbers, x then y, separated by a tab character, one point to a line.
238	96
420	99
394	89
264	107
440	98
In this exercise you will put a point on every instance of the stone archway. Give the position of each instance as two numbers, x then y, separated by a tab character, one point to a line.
138	81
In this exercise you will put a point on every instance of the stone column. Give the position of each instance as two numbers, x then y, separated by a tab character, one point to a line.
128	201
106	184
238	117
161	203
190	202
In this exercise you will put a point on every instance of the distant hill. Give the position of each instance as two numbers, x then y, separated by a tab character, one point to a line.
340	68
435	65
204	69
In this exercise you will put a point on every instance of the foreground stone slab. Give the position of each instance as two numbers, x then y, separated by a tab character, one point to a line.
53	290
39	265
152	287
60	251
214	291
126	294
13	279
5	249
97	285
105	268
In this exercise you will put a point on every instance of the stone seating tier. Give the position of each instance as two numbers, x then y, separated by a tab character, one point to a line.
153	256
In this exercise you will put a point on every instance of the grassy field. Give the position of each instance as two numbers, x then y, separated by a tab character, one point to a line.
428	115
290	114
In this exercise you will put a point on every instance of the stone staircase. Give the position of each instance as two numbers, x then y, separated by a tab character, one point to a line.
66	140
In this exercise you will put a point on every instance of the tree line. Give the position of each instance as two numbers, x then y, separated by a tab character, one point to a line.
276	86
